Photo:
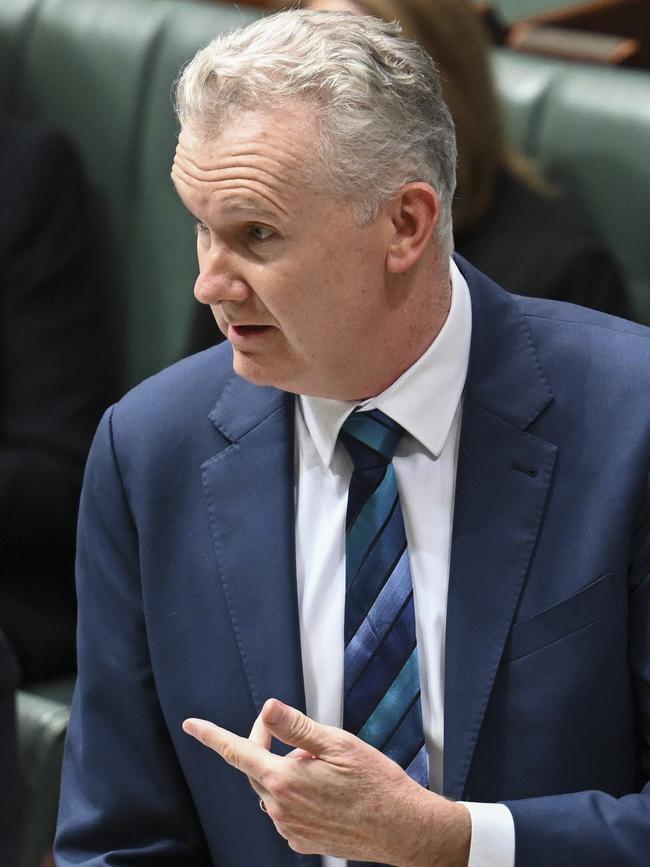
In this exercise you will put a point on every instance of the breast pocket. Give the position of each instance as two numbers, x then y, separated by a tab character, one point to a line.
582	609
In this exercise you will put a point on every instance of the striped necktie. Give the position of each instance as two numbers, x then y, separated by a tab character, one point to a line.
381	676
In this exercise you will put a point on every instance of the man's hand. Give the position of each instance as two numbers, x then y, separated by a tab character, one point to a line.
336	795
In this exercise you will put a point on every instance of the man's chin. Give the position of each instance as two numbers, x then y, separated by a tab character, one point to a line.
253	368
261	371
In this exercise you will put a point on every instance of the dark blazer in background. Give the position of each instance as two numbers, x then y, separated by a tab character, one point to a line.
52	370
187	597
542	245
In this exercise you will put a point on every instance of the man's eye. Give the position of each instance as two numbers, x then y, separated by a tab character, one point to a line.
200	227
260	233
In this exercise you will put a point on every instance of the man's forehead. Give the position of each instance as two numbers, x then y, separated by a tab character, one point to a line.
278	143
290	125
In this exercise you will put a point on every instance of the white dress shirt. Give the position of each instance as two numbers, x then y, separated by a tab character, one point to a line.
427	402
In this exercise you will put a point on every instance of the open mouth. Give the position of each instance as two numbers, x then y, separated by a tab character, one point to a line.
248	330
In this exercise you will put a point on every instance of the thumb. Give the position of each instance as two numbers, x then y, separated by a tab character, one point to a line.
260	734
297	730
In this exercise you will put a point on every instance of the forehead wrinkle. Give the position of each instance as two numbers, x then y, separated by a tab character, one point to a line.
252	152
246	186
276	184
266	185
236	165
180	179
248	148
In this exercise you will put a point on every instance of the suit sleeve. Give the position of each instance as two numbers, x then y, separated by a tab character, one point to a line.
123	799
594	829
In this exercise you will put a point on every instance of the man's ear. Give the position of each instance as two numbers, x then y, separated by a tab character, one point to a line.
414	213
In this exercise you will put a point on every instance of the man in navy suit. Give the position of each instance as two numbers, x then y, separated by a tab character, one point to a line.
318	159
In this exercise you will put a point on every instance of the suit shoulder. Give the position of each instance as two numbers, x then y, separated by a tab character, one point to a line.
562	319
591	349
568	315
177	395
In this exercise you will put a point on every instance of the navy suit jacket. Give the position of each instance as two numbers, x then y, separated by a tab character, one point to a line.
187	598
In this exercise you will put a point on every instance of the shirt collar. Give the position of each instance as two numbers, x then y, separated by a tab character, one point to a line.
423	400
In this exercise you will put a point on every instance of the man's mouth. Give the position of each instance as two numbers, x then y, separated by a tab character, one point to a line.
246	330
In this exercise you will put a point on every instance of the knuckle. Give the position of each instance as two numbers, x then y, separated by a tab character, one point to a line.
345	741
259	791
299	846
269	780
230	755
276	812
277	785
282	830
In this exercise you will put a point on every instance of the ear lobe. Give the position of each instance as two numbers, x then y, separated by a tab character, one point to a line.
415	213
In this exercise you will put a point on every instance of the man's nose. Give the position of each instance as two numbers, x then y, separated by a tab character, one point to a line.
219	279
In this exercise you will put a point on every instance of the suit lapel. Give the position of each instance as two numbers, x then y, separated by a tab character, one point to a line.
249	489
504	473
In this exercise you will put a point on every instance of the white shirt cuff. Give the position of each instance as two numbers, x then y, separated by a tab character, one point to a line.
493	835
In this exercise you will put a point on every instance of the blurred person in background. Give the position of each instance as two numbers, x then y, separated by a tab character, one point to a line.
501	203
53	364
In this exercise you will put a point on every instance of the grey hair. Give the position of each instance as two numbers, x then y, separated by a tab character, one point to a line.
376	96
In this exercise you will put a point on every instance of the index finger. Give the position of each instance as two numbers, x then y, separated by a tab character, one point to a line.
242	753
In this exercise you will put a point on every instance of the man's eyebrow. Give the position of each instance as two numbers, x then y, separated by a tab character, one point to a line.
247	205
240	206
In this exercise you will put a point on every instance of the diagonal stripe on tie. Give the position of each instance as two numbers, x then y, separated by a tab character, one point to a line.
374	568
381	674
370	522
379	619
394	705
363	694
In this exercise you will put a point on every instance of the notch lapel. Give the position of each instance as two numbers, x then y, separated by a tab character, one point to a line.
503	478
250	495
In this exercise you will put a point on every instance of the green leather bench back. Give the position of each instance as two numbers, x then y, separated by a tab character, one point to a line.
42	724
589	128
104	69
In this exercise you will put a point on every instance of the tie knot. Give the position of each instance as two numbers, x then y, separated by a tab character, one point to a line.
371	438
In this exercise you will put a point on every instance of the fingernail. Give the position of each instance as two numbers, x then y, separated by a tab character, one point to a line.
273	711
188	726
